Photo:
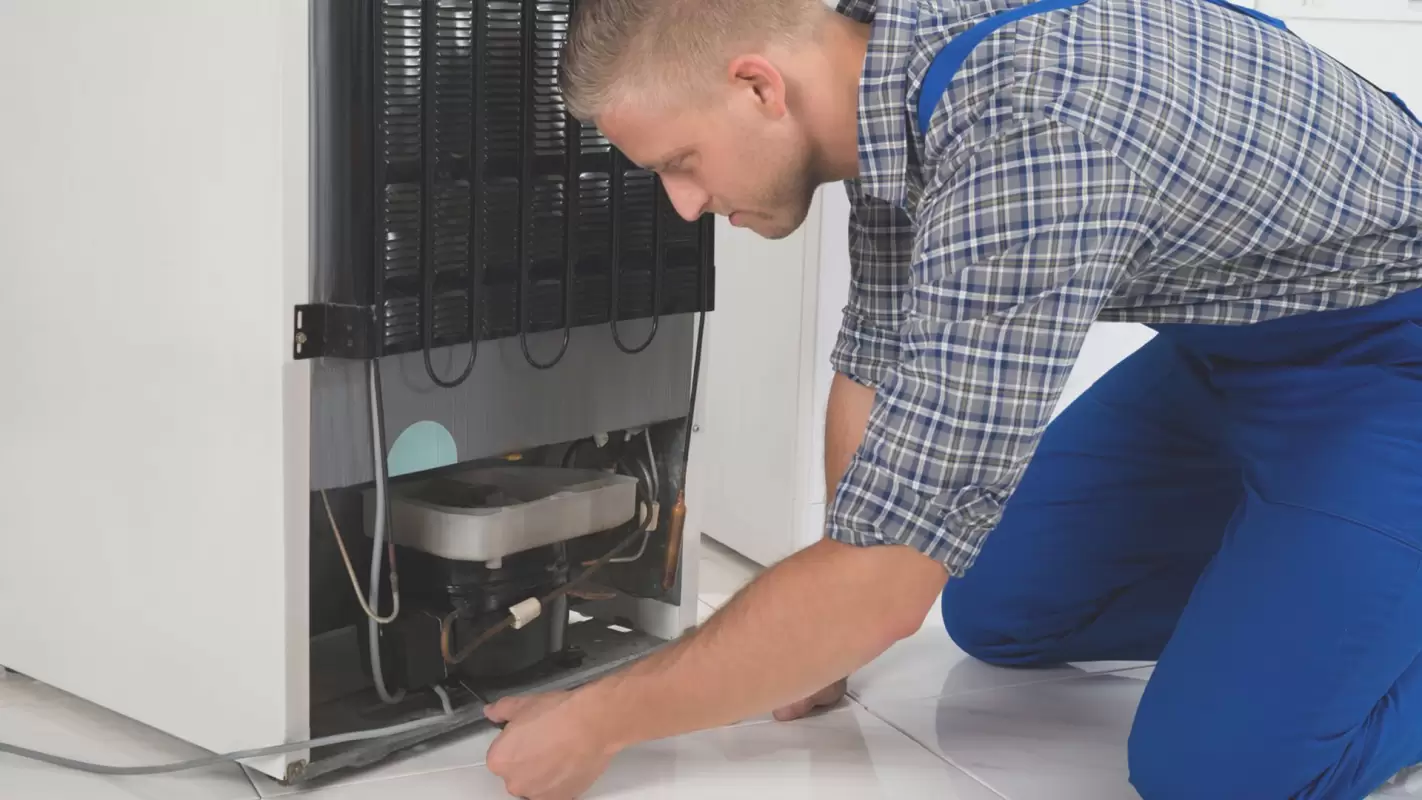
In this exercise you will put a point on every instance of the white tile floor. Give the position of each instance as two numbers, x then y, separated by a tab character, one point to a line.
925	721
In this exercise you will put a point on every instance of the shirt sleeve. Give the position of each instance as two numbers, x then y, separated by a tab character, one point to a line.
880	252
1018	250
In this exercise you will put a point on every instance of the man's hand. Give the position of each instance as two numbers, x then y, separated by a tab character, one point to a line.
824	698
550	748
777	640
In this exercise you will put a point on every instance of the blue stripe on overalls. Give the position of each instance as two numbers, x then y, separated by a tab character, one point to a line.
1243	505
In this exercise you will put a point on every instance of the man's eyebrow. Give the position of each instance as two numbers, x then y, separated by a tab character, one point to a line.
671	159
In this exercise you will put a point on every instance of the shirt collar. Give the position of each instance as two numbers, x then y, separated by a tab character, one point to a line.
883	103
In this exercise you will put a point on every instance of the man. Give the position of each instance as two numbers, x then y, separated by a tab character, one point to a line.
1241	499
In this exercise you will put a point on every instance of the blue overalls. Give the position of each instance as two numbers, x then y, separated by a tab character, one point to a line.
1242	504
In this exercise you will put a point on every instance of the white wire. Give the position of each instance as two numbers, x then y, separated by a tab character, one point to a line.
646	535
655	489
377	433
656	486
350	568
444	699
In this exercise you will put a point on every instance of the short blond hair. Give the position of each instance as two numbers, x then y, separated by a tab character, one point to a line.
662	49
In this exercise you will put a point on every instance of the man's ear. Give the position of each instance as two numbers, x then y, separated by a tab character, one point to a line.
756	80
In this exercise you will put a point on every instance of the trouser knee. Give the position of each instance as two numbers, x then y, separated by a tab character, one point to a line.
980	629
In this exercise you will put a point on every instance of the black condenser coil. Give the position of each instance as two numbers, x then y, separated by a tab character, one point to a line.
457	198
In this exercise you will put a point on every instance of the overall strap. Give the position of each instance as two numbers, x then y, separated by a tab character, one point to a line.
945	65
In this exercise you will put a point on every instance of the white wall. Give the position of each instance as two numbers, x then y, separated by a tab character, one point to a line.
1381	39
755	399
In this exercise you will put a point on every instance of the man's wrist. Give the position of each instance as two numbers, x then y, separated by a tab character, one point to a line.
614	727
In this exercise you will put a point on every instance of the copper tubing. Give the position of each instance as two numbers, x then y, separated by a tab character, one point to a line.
445	625
455	658
593	595
674	534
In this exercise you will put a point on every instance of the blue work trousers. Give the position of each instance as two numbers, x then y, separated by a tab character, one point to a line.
1244	505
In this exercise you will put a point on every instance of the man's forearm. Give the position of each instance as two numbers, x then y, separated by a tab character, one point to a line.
807	622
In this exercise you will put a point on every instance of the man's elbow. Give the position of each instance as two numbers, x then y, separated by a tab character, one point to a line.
922	584
903	583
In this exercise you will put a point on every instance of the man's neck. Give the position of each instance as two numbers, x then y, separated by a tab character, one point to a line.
837	121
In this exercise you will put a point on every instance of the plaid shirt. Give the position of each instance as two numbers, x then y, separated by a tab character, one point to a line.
1151	161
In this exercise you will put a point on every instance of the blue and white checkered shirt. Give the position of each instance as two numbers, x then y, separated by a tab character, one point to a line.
1124	160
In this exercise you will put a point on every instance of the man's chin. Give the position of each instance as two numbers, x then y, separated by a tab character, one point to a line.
773	234
775	229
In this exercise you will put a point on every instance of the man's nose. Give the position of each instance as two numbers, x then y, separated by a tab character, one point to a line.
686	197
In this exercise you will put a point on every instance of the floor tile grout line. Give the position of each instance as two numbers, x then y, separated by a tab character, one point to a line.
256	791
969	692
940	756
355	779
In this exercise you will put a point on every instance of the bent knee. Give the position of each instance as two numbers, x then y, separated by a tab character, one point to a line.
979	629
